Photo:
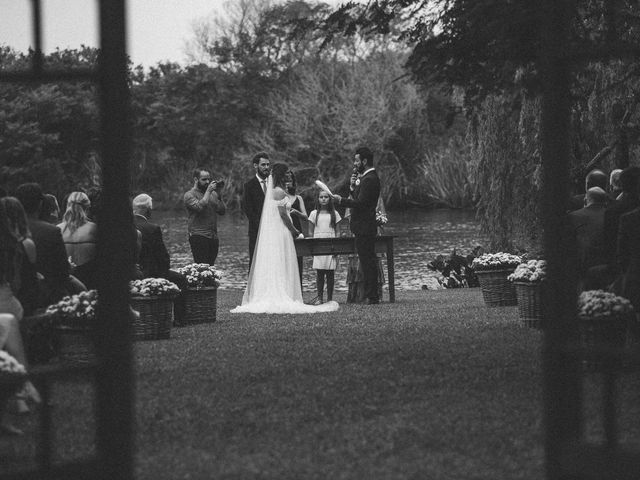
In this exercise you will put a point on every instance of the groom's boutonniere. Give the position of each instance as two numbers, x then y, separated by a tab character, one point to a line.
358	181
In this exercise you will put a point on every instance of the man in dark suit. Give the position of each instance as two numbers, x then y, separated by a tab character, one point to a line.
365	190
627	201
253	197
154	258
628	256
587	232
595	178
51	256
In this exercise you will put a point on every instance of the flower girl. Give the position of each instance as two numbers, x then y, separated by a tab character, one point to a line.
323	222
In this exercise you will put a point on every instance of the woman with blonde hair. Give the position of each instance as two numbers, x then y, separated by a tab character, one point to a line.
80	238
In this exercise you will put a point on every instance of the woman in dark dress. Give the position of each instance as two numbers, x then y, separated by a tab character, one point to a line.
298	211
13	258
29	291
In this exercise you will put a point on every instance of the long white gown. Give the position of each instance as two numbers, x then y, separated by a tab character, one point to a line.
274	280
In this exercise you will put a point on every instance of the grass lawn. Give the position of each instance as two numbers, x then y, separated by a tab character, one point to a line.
435	386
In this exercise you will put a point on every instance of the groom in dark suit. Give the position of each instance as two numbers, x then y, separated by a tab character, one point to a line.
253	197
363	200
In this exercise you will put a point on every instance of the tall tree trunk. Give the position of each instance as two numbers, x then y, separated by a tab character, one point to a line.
561	374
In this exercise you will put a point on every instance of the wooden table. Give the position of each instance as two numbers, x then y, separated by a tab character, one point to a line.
345	246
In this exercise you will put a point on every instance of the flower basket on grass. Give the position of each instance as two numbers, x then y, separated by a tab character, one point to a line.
153	299
528	280
73	316
201	296
603	323
492	270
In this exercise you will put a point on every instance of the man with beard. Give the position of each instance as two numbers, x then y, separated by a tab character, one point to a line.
365	190
203	204
253	197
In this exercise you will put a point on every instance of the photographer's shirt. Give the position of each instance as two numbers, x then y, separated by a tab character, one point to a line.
203	216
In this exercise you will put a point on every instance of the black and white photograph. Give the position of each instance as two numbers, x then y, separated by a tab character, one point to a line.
319	239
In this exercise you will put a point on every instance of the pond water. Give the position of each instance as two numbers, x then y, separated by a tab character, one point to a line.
419	237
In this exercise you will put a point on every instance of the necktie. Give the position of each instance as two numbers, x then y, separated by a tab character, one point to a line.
264	186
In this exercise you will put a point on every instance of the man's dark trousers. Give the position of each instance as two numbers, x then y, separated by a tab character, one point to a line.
204	250
365	246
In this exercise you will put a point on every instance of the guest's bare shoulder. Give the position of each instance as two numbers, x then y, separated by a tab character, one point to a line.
278	193
30	249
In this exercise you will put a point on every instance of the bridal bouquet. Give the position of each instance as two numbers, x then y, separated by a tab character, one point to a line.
200	275
76	307
153	287
532	271
495	261
598	303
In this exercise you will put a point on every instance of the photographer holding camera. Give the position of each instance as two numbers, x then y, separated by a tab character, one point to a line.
203	204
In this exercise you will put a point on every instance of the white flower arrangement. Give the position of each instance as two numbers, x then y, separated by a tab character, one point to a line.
496	261
200	275
598	303
153	287
381	218
533	271
76	307
10	365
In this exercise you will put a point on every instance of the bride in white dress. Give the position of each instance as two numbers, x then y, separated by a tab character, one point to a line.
274	280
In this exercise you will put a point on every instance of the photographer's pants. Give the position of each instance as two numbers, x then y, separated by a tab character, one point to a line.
204	250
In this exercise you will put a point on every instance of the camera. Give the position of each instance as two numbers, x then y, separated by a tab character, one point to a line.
219	183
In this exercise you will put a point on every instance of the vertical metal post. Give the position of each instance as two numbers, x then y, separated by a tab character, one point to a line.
115	381
562	380
37	36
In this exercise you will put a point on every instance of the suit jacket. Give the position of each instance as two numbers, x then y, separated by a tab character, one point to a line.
611	220
51	259
154	257
628	255
587	225
576	202
252	201
363	205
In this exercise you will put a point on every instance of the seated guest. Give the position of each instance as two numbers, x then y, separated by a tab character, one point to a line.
615	188
94	212
11	342
587	232
80	238
28	292
51	256
626	201
50	210
13	257
595	178
154	259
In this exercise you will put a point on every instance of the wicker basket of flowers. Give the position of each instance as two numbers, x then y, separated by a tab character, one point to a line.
72	326
153	299
493	270
528	281
603	327
201	296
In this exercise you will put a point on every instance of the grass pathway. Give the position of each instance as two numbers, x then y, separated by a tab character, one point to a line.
435	386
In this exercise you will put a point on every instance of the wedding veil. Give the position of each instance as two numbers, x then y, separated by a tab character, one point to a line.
274	270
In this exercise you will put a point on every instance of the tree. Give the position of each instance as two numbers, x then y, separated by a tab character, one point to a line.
48	133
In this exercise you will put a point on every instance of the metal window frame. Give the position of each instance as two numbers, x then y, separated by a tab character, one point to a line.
114	372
